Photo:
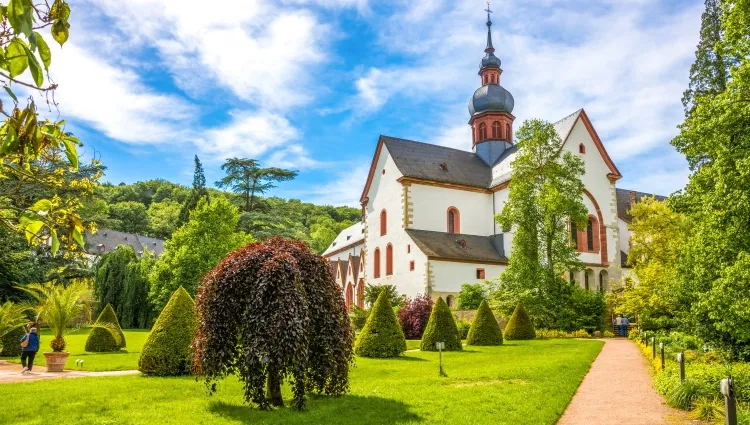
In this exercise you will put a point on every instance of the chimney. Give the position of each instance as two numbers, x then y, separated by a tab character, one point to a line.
632	199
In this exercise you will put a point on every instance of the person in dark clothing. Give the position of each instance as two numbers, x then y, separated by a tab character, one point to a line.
29	351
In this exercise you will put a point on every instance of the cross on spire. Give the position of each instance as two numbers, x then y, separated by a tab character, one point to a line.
489	48
488	14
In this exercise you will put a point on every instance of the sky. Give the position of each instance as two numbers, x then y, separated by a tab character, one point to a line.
311	84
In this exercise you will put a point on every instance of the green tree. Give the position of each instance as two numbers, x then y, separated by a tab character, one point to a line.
441	328
484	329
163	218
110	276
382	335
28	143
166	351
246	179
709	74
106	334
136	311
372	292
715	141
57	306
546	194
195	249
12	317
199	192
471	296
519	325
130	216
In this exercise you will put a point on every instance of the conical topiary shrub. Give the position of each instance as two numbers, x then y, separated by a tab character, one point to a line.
484	329
10	345
167	348
106	335
441	328
382	335
519	326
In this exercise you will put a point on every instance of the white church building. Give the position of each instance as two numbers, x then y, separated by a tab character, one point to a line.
428	211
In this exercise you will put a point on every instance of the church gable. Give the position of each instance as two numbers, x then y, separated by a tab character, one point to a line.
570	129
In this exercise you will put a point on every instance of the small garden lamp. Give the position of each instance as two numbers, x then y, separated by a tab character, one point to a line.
730	408
440	347
681	361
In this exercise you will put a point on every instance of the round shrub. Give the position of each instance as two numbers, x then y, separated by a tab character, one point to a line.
441	328
167	348
102	340
10	345
382	336
107	319
519	325
484	330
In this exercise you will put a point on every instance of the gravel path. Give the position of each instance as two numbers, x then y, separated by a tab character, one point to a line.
11	372
618	390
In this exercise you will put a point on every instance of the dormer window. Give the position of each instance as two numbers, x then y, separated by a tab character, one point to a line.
444	166
348	237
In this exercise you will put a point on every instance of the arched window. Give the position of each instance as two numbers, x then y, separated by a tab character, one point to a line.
508	134
590	236
482	131
474	137
383	223
586	279
389	260
572	277
484	81
361	294
376	263
496	130
450	301
454	220
581	148
349	296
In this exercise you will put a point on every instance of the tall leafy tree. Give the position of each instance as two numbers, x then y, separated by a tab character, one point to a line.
546	194
163	218
199	192
130	216
247	179
110	277
196	248
709	74
715	139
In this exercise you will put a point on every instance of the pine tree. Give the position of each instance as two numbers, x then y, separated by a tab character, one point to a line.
484	329
519	326
199	192
441	328
167	348
709	73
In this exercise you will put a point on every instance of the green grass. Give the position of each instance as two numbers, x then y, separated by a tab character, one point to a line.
125	359
521	382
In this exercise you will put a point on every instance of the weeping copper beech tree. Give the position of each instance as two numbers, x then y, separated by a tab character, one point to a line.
272	312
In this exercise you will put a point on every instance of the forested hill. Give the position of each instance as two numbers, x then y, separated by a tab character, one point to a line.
153	208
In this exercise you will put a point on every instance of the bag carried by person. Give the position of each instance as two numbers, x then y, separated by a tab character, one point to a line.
25	342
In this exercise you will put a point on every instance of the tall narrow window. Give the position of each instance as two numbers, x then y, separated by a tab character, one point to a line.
383	223
590	236
601	281
349	296
496	130
587	280
572	277
573	235
482	131
581	148
454	221
376	263
411	265
508	134
361	294
450	301
389	260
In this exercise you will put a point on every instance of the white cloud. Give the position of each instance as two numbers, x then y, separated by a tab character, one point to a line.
344	188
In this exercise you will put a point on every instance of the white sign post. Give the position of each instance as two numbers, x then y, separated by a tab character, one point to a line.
440	347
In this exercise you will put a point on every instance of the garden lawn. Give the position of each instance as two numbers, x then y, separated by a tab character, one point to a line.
521	382
125	359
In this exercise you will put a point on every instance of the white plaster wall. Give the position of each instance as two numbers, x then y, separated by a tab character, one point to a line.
431	205
500	198
386	193
624	236
596	182
447	276
355	250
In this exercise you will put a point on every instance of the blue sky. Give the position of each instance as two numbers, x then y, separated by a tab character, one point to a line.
310	84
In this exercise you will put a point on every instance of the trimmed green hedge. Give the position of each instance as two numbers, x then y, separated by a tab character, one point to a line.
382	335
167	348
11	343
441	328
484	329
108	318
102	340
519	325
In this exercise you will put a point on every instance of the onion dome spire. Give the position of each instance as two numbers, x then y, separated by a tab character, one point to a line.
489	60
489	48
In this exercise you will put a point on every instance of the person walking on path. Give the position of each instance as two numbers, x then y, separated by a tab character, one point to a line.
29	348
624	326
618	324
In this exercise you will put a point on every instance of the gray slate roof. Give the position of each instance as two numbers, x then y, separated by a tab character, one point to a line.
447	246
623	202
106	240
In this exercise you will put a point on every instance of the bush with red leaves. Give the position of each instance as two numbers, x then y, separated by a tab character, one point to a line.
272	311
414	316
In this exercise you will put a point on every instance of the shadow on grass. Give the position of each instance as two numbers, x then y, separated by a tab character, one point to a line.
348	409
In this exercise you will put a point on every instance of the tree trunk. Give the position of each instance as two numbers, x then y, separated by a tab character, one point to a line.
251	198
274	387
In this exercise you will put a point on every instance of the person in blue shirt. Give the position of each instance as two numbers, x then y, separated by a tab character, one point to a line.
29	351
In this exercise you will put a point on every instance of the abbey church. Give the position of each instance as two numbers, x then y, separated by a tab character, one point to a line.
428	211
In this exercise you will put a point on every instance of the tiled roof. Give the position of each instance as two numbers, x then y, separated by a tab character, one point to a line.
623	202
456	246
106	240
